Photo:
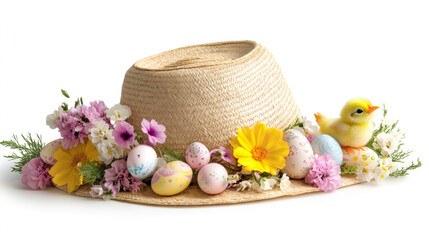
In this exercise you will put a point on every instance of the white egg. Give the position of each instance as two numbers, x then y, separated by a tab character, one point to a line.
142	161
197	155
213	178
360	157
300	158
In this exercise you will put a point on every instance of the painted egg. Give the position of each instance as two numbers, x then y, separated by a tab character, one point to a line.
48	151
213	178
327	145
172	178
197	155
142	161
359	157
300	158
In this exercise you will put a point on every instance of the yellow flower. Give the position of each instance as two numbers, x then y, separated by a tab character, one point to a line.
66	169
260	149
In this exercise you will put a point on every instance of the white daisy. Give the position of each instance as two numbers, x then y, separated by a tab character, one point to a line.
243	185
118	112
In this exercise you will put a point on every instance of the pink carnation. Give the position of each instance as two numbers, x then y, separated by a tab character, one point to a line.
74	125
35	174
118	177
324	174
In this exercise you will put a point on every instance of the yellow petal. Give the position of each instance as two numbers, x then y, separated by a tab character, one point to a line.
61	178
62	155
258	133
91	152
276	161
241	152
235	143
243	140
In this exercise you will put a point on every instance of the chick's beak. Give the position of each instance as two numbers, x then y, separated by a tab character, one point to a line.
372	109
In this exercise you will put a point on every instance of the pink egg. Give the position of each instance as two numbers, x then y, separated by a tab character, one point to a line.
213	178
48	151
197	155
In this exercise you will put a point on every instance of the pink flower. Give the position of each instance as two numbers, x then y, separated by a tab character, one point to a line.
224	154
118	177
35	174
74	125
100	107
154	131
124	134
324	174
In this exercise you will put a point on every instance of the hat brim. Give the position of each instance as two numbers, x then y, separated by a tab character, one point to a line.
193	196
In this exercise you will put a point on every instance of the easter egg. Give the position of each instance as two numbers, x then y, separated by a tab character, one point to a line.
300	158
197	155
213	178
48	151
142	161
327	145
360	157
172	178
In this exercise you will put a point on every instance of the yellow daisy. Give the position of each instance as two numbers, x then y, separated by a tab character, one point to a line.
66	169
260	149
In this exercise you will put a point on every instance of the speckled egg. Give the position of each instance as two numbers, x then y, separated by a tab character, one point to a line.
197	155
213	178
300	158
48	151
172	178
142	161
360	157
327	145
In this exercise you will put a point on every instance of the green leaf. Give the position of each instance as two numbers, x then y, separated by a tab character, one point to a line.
297	123
92	172
65	93
171	155
28	150
347	170
404	171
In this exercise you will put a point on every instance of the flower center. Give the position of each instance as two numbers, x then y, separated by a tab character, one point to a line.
258	153
125	136
78	158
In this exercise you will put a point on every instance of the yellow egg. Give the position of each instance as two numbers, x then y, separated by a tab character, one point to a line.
362	157
172	178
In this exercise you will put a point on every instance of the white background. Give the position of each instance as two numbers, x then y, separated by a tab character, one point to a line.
329	51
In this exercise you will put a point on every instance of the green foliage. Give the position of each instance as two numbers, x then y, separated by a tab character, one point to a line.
28	150
170	155
92	172
297	123
65	93
404	171
347	170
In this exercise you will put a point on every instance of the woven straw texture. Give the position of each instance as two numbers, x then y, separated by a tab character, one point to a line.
193	196
204	93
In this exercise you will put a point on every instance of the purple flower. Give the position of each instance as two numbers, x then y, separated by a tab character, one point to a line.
35	174
224	154
324	174
74	125
100	107
154	131
124	134
117	177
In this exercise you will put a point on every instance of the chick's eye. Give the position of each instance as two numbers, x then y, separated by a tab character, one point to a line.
359	111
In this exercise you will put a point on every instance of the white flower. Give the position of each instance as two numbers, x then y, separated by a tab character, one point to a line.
380	173
108	148
264	184
98	132
308	128
387	142
366	171
118	112
243	185
53	117
96	191
284	182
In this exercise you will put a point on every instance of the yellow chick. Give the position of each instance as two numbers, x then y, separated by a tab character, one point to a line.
354	128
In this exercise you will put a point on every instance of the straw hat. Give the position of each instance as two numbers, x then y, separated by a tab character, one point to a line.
206	92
